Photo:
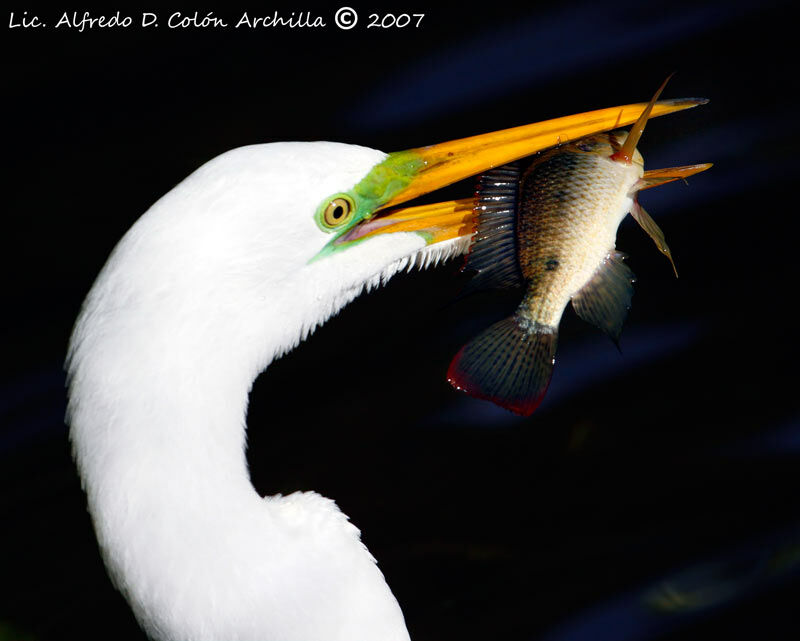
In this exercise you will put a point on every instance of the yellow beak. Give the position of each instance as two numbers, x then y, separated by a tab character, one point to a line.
445	163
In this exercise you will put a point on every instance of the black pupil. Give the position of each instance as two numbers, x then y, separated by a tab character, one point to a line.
338	212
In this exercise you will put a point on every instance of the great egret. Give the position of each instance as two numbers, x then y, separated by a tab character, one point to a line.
230	269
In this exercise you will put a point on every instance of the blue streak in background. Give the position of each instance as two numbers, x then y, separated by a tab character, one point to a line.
736	149
682	596
780	441
527	54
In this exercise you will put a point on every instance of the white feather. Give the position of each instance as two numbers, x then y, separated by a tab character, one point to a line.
209	286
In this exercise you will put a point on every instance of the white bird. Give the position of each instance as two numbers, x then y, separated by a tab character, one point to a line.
226	272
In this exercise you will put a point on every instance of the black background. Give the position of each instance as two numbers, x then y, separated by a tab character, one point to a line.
680	451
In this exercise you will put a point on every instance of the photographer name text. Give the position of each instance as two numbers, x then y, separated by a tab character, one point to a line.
344	18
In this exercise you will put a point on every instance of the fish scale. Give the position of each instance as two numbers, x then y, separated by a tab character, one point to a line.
572	203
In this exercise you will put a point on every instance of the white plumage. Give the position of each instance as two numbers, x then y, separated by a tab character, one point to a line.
205	290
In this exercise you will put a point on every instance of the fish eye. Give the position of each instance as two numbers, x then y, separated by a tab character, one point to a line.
337	212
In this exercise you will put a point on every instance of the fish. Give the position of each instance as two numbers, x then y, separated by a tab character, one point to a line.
550	229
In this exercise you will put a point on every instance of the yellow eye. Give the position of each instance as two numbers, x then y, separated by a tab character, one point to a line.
337	212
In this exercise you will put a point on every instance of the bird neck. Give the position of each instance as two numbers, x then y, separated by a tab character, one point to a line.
157	415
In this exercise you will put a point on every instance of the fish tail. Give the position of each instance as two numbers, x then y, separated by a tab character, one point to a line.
510	364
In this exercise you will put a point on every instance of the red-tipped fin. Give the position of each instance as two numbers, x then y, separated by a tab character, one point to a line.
656	177
653	230
629	146
509	364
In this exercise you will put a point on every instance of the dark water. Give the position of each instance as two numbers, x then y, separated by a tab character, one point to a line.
654	494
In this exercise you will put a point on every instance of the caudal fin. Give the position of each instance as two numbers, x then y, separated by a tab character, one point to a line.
510	364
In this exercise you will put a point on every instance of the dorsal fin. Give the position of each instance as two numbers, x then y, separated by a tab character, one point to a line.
493	251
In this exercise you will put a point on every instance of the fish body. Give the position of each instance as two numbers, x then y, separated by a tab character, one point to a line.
550	229
571	202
